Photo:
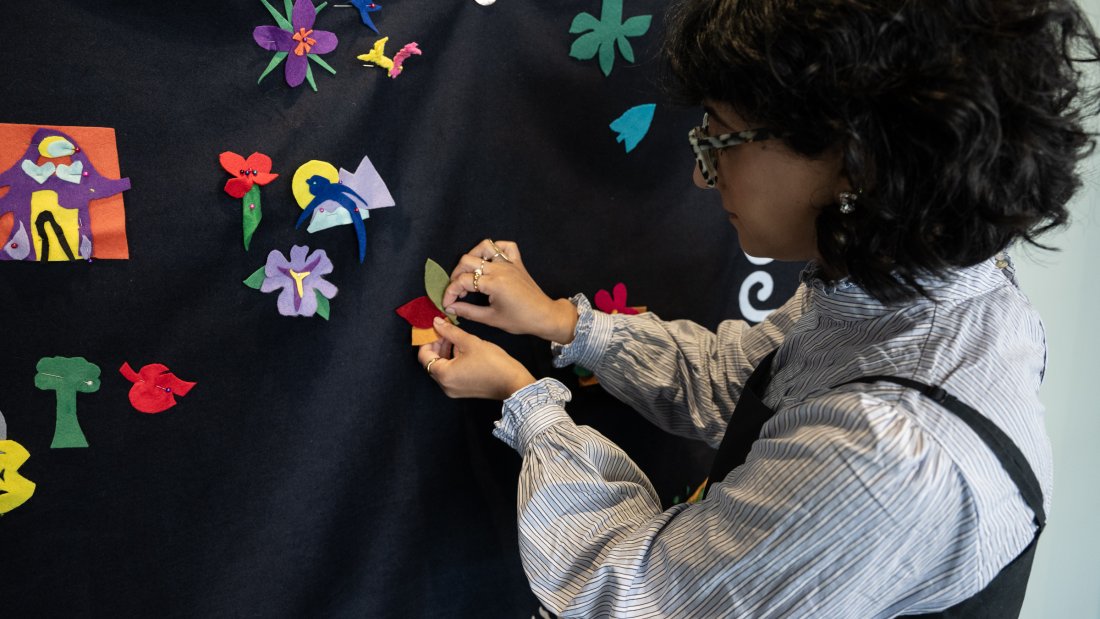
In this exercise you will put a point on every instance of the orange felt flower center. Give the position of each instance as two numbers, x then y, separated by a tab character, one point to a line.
305	42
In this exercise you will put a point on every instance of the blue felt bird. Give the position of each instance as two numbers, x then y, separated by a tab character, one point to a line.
366	7
324	190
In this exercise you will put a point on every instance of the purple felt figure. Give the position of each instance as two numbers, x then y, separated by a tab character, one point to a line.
76	184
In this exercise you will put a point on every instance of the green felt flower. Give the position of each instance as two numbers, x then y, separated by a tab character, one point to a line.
601	35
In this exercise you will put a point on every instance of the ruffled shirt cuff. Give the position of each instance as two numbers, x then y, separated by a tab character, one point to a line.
590	338
530	411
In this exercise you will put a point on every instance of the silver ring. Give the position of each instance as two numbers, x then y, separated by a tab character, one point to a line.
428	367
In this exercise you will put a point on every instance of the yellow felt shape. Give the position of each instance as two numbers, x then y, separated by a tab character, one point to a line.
14	488
44	204
302	195
423	336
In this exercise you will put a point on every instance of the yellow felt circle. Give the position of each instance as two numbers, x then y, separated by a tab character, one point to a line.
307	170
55	146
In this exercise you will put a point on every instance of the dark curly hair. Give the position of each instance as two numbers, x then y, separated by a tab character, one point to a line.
960	121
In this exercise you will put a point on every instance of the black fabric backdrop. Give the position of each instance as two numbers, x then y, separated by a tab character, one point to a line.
315	470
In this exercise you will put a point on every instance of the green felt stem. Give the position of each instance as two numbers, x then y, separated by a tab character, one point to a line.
283	22
275	60
251	216
67	432
324	65
321	6
309	77
256	279
323	307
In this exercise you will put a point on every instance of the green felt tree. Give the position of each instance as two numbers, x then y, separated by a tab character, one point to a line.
601	35
67	376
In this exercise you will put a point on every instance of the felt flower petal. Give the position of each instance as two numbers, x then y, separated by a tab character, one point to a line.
238	187
273	38
232	162
326	42
263	178
296	68
419	312
258	162
304	15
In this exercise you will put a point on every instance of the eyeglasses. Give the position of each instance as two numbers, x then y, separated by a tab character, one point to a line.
706	146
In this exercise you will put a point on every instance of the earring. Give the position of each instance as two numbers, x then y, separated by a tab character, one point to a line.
847	202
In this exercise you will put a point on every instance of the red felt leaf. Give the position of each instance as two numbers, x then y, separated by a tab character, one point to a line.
420	312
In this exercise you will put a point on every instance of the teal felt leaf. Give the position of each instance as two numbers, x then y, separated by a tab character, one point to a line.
323	307
256	279
585	47
324	65
289	5
280	19
275	60
251	214
319	7
309	77
633	125
436	281
600	36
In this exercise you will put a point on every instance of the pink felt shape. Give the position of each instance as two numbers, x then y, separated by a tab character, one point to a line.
155	388
614	303
419	312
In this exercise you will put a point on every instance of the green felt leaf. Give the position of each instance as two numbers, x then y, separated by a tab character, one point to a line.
275	60
323	308
67	376
251	213
435	282
324	65
282	21
256	279
289	6
320	6
601	36
309	77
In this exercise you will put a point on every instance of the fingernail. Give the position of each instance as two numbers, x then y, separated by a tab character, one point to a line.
449	310
438	321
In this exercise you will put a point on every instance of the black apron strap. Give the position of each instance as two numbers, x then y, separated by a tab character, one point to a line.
745	423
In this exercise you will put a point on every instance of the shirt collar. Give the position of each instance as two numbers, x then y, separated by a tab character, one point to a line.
847	300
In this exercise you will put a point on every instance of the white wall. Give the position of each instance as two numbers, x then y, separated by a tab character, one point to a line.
1065	287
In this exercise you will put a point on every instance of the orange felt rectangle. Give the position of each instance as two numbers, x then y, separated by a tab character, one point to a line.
423	336
107	215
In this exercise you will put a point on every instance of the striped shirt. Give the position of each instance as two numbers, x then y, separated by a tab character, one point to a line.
867	500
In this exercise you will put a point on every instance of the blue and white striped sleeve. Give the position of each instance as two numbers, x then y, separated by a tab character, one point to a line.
682	377
822	520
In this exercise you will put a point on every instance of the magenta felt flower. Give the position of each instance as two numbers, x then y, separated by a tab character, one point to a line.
297	41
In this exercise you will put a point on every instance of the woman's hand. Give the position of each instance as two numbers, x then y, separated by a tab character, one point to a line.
516	303
466	366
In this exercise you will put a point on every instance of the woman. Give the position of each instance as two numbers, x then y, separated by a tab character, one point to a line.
887	454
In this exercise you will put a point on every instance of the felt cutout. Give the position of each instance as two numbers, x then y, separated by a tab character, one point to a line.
248	175
40	173
315	181
485	2
19	246
601	35
71	173
633	125
14	488
56	146
67	376
366	182
422	310
394	66
155	388
305	292
55	193
3	427
366	7
609	303
296	41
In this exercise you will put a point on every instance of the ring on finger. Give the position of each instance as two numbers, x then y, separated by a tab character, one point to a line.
499	252
428	367
478	272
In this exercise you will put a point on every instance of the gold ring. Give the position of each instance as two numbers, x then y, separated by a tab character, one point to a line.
477	276
428	368
499	252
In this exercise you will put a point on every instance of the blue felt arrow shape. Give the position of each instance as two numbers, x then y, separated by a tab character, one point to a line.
633	124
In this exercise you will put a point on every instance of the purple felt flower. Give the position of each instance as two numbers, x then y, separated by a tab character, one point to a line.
301	280
298	42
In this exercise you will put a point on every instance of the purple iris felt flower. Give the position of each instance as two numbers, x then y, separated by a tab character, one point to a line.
301	279
299	42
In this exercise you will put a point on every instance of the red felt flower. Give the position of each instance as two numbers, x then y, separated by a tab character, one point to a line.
614	305
256	170
420	312
155	388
